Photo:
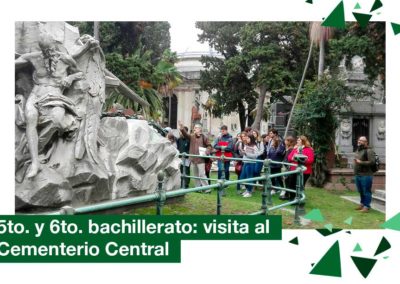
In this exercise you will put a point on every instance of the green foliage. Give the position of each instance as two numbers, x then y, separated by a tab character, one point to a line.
316	117
368	43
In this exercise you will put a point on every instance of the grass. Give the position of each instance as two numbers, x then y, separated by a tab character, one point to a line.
334	208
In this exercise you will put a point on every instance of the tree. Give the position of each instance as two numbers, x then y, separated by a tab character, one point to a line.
319	105
225	79
274	51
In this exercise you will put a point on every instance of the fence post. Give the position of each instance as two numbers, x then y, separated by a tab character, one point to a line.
67	210
268	182
223	177
161	195
183	176
267	186
219	195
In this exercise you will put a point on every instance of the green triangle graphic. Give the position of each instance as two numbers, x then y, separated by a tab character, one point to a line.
329	227
326	232
358	6
362	19
349	221
385	257
314	215
357	247
364	265
396	30
309	1
294	241
394	222
336	18
348	232
376	6
384	245
312	264
329	264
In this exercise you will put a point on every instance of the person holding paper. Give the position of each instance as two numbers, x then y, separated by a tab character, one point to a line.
197	140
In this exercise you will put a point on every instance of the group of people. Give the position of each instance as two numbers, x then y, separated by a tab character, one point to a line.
252	148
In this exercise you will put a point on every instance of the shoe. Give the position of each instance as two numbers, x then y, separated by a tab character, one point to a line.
359	207
273	192
364	210
207	191
247	194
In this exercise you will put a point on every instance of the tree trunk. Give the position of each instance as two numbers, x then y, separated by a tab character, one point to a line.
242	116
321	62
96	30
260	108
299	89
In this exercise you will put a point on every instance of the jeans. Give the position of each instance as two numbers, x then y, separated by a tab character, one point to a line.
364	186
226	165
248	172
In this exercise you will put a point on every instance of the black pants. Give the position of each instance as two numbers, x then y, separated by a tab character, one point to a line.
185	181
290	183
277	181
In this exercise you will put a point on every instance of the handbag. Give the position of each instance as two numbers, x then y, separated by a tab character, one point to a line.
238	167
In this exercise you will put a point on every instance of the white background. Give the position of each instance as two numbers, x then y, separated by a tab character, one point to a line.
208	261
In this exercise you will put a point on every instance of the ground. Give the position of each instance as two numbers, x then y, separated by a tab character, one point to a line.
334	208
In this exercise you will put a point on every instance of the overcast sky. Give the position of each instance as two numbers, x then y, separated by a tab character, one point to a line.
184	36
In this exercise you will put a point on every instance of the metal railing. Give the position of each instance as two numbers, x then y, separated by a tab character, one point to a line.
161	195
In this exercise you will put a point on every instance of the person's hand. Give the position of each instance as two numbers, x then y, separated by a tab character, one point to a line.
180	124
66	82
357	161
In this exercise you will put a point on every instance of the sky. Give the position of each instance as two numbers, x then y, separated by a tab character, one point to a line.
184	36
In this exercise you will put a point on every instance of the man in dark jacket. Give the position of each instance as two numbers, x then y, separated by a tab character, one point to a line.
364	159
224	140
183	144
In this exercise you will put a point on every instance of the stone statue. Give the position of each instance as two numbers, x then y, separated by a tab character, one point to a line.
380	134
357	64
65	152
345	128
46	107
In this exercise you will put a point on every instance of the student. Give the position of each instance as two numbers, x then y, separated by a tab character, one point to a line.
224	140
250	153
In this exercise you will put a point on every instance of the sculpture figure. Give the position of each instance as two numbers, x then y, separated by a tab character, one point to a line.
47	110
345	128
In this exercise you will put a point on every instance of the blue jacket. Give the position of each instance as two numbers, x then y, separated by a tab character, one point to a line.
275	154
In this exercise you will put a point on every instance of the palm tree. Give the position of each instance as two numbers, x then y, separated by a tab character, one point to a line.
318	36
168	78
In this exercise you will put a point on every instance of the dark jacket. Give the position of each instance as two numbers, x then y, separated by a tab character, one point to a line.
275	154
183	145
367	158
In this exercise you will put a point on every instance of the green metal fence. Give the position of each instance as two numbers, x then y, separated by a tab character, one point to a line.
160	195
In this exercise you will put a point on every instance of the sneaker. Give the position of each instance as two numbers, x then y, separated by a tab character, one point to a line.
359	207
364	210
247	194
207	191
273	192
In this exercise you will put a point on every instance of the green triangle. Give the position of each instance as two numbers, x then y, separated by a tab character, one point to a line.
329	227
348	232
336	18
349	221
309	1
326	232
314	215
358	6
357	247
385	257
294	241
329	264
394	222
362	19
364	265
396	28
384	245
376	6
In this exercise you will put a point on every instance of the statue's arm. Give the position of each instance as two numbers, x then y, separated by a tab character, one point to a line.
74	72
89	45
